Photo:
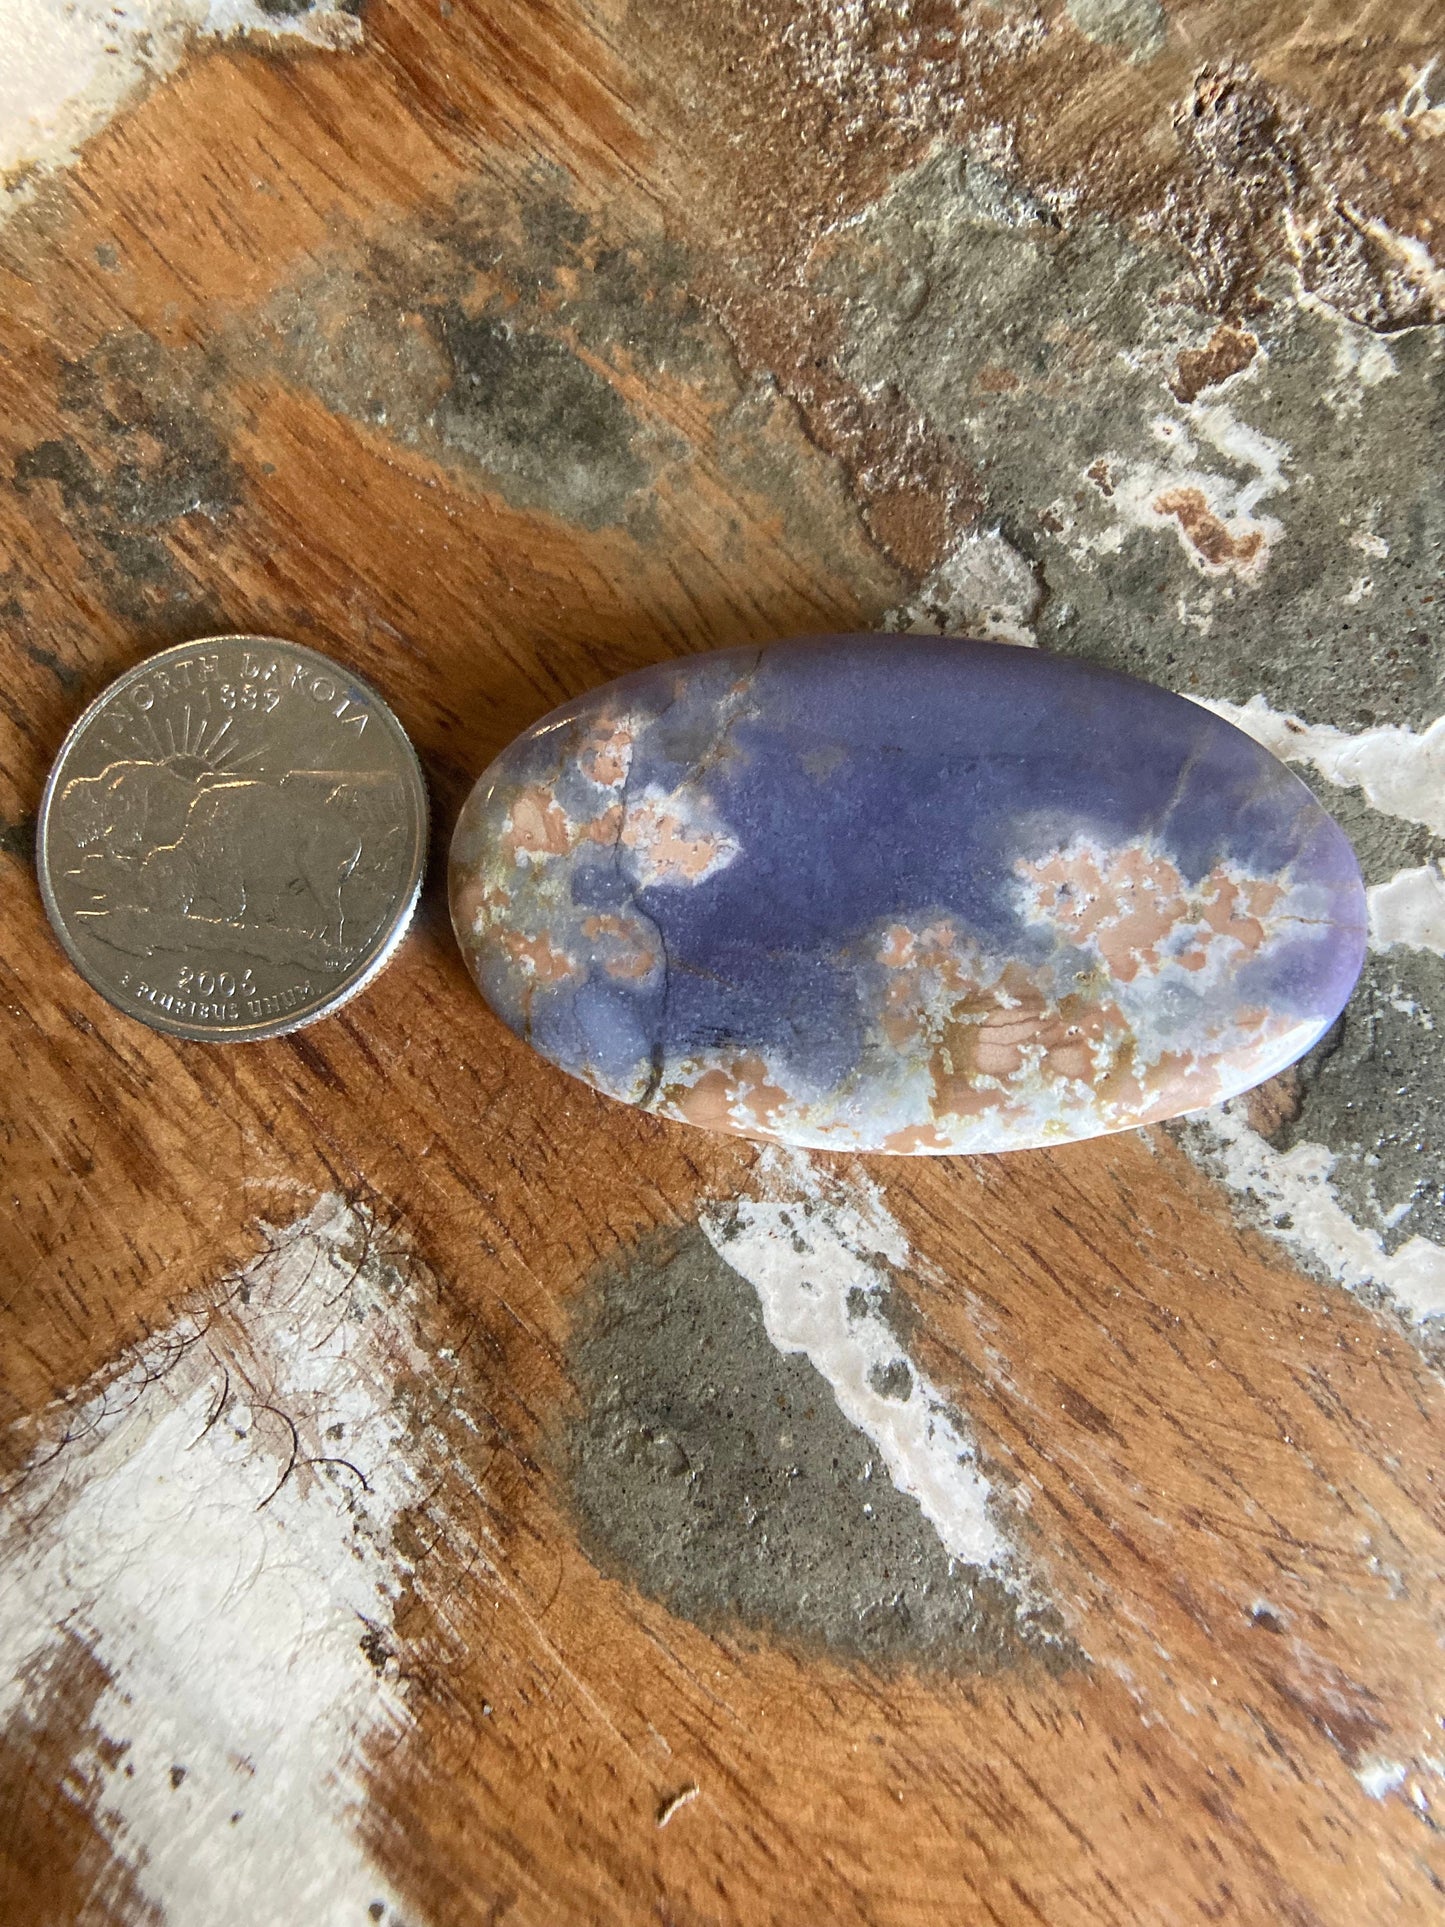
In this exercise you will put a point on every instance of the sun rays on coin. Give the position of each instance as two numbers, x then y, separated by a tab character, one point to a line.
191	746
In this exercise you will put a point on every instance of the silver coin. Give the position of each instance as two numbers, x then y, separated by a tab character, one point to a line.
232	840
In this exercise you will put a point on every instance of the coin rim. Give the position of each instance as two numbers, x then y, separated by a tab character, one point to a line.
350	987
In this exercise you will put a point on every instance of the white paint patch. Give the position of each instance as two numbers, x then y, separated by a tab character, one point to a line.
983	587
815	1262
1411	256
1409	910
1379	1777
1401	772
215	1526
1293	1190
1418	116
1362	358
1416	1779
66	66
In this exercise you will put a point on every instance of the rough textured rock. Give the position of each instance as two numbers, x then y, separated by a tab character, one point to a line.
904	895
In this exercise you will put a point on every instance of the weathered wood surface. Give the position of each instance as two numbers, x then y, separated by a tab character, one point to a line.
498	355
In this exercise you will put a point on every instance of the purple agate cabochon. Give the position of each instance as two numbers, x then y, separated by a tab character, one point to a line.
896	893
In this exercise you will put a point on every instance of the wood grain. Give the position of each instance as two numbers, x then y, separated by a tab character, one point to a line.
1220	1471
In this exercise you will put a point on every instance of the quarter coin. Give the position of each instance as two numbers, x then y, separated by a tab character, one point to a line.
232	840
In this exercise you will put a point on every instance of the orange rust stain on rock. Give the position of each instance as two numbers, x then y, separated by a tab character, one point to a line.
1227	351
920	962
899	943
1220	549
1178	1082
1127	903
916	1138
537	825
991	379
472	903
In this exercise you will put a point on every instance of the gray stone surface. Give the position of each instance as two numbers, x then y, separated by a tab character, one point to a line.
1138	26
1050	349
722	1478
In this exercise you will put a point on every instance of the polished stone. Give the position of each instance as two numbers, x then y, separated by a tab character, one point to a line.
904	894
